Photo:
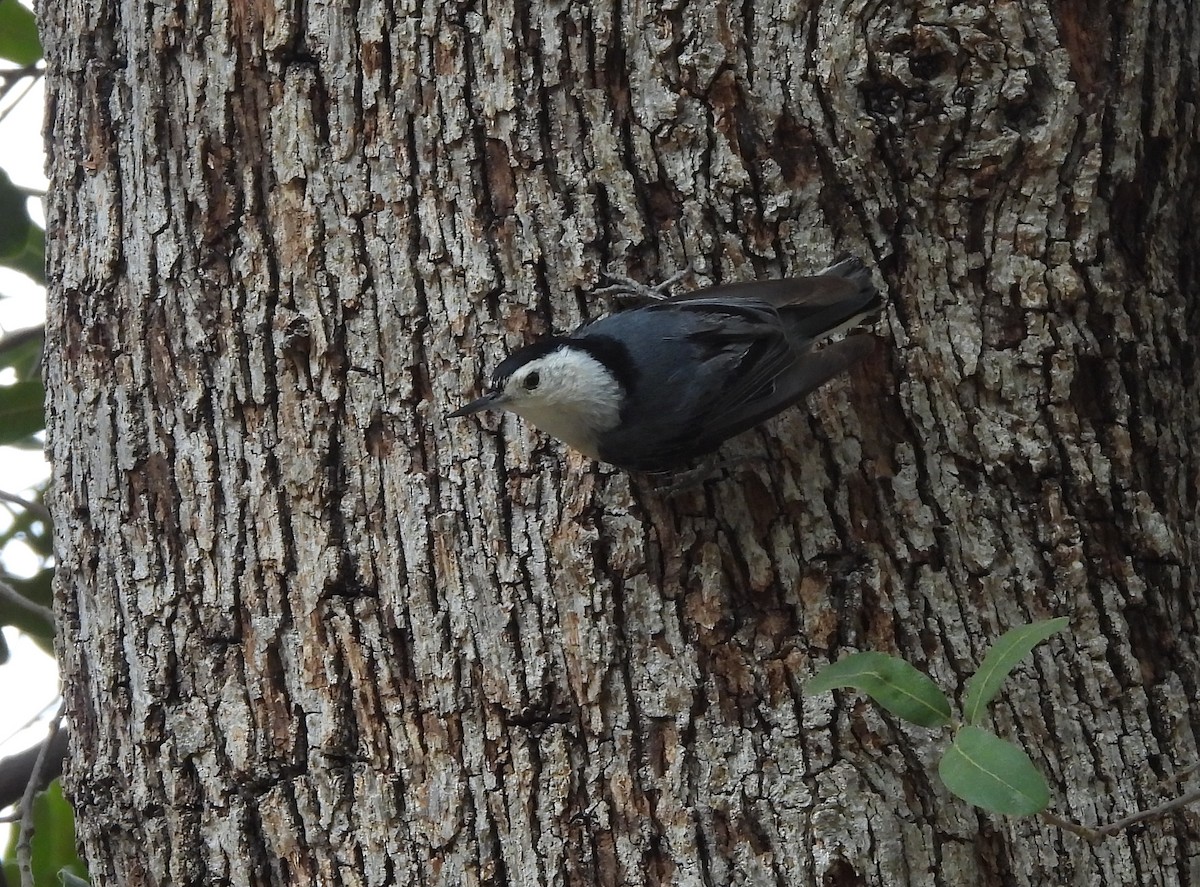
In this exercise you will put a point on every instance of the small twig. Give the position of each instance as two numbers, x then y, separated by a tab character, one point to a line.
37	509
1107	831
1083	831
18	728
25	842
10	594
1121	824
1180	775
14	74
18	99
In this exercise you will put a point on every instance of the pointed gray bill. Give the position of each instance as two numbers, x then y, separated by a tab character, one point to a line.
483	403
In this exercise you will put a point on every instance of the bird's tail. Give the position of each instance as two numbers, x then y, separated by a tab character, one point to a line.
838	299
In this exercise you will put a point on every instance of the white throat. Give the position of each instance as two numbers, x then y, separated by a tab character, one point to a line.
576	400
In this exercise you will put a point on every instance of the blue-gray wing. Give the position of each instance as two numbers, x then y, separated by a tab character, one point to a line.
812	307
716	362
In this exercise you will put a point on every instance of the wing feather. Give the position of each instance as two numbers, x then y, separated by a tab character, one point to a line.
726	358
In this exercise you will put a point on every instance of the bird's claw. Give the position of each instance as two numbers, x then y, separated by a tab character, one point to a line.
628	288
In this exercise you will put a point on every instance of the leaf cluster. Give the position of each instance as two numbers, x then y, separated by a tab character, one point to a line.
978	765
53	851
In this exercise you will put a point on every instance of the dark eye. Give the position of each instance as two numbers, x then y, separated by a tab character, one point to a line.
532	380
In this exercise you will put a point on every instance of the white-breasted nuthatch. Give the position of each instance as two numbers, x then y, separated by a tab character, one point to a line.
654	387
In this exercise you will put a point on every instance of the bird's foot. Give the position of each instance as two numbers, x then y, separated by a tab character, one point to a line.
623	287
671	483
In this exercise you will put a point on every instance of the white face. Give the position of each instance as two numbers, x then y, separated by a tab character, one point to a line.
566	393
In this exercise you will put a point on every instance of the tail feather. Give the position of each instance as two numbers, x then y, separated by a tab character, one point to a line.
851	299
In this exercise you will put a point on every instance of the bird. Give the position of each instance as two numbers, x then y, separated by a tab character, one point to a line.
656	387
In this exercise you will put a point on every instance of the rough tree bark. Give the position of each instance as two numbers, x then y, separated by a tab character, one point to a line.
312	633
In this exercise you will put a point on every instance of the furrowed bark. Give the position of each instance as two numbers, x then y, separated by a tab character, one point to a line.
314	633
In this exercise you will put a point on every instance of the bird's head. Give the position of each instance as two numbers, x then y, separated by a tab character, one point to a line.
561	386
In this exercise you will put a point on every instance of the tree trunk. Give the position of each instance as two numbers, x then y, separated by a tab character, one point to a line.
314	633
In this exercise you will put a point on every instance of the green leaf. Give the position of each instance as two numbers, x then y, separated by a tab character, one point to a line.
69	880
22	350
38	590
29	526
18	34
30	260
984	770
14	214
21	412
891	682
1013	646
53	839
